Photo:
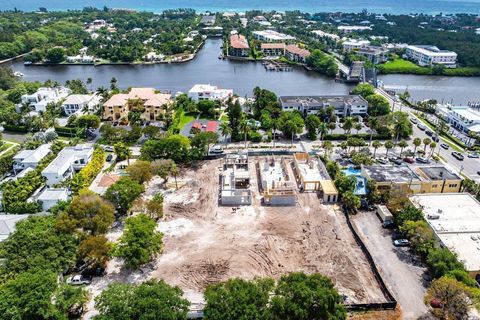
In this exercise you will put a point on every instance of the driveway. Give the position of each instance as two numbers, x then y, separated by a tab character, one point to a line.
400	269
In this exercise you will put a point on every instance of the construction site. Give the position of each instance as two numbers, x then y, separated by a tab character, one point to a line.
245	217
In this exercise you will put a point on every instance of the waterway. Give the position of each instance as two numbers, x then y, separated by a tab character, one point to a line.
242	77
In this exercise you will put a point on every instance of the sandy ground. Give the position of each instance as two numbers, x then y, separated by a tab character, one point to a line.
205	242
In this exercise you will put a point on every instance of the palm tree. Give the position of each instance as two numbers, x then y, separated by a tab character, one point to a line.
358	127
331	126
344	146
225	129
426	142
388	145
327	146
113	83
245	129
322	130
416	142
122	151
348	124
89	82
376	144
432	148
402	144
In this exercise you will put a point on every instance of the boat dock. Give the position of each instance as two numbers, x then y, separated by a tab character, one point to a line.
273	65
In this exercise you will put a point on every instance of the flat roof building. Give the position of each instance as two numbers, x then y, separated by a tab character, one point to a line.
464	118
277	188
354	44
345	105
374	54
271	36
235	180
350	29
430	55
208	92
455	220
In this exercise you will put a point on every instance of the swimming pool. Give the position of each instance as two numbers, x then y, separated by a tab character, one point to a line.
361	187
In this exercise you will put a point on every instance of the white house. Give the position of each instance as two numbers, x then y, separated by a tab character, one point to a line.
344	105
8	222
79	102
271	36
30	158
353	44
51	196
68	161
350	29
209	92
40	99
430	55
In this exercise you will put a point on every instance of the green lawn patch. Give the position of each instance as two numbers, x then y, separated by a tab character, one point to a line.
186	118
5	146
409	67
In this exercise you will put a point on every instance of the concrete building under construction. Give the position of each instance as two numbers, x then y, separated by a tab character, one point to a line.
313	176
276	186
235	181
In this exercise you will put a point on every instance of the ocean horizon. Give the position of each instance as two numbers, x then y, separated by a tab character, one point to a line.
311	6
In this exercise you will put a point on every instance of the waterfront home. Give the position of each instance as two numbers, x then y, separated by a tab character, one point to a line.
80	102
345	105
354	44
80	59
152	56
154	104
273	49
68	160
39	100
374	54
295	53
272	36
426	55
238	46
30	158
208	20
208	92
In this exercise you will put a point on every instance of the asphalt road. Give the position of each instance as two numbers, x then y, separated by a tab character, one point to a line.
469	166
400	269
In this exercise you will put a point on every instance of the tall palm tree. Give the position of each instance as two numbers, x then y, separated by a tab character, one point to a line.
327	146
402	144
432	148
376	144
358	127
388	145
348	124
322	130
331	126
245	129
426	142
225	129
416	142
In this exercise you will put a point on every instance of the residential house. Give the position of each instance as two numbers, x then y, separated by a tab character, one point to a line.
238	46
295	53
8	222
208	92
51	196
345	105
30	158
208	20
80	102
39	100
68	161
117	107
426	55
350	29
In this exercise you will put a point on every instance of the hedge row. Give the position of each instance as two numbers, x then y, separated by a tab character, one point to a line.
8	127
86	176
68	132
364	136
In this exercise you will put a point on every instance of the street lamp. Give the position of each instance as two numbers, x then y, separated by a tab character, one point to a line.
461	169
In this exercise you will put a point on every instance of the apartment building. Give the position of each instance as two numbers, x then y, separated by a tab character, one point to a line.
354	44
272	36
374	54
295	53
427	56
154	104
350	29
464	118
238	46
273	49
345	105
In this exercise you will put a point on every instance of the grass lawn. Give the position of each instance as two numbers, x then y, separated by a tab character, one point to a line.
408	67
185	118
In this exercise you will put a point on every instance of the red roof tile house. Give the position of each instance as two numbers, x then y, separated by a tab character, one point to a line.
295	53
238	46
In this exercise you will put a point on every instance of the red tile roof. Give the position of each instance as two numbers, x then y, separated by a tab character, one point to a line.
238	41
211	126
294	49
197	125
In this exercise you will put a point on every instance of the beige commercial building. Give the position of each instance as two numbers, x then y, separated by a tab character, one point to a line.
152	105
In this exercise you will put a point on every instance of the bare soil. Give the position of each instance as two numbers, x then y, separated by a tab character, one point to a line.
205	242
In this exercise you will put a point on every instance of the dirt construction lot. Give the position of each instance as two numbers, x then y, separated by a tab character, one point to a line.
205	242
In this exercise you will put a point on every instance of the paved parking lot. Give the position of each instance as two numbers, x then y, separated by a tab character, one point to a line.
401	270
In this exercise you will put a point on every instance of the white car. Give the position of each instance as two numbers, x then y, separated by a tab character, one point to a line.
216	149
79	280
473	155
382	160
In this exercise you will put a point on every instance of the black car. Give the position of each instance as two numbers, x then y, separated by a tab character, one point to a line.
109	158
429	133
458	155
93	272
388	224
435	138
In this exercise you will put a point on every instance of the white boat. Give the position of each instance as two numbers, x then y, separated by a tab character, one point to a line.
18	74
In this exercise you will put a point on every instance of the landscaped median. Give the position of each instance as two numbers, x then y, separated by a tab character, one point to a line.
407	67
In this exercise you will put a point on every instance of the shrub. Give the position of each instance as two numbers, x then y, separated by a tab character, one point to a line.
85	177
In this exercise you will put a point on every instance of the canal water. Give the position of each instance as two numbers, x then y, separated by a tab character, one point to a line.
242	77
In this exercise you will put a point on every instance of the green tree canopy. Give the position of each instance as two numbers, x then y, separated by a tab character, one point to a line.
122	194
